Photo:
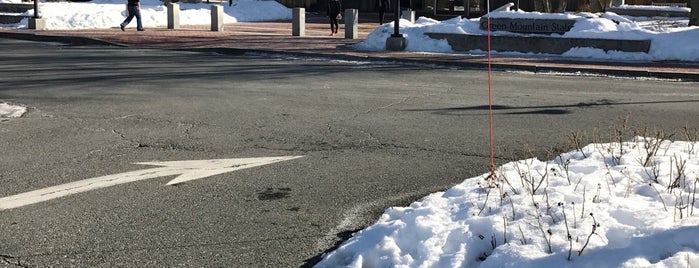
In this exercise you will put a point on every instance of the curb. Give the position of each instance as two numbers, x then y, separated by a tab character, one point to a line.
609	70
464	65
72	40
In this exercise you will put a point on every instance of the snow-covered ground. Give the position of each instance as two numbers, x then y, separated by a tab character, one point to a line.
671	38
105	14
604	205
669	41
8	110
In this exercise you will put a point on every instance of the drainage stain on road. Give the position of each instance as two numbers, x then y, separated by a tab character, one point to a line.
274	194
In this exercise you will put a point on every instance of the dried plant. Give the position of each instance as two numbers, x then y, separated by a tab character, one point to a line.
485	203
652	145
620	137
694	197
609	177
504	225
524	239
582	214
577	139
654	173
546	234
692	136
566	165
595	224
595	199
659	195
630	180
575	220
512	204
507	181
544	177
680	206
578	183
680	165
568	236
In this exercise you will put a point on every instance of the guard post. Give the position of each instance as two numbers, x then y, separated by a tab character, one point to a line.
351	24
216	18
173	16
396	42
298	22
36	22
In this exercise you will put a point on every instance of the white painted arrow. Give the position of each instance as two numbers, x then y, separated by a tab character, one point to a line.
187	171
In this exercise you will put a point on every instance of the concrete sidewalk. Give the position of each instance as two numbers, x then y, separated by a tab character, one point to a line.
276	38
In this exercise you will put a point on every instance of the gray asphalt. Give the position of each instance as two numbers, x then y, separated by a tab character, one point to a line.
373	135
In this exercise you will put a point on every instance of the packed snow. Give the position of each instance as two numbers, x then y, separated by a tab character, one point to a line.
630	204
671	38
105	14
605	205
8	110
669	41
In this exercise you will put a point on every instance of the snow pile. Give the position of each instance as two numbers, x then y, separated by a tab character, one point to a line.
605	205
105	14
668	42
9	110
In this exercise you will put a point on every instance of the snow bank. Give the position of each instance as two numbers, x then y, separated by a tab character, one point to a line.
9	110
596	207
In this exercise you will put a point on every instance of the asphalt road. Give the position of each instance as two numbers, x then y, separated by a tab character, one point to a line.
372	135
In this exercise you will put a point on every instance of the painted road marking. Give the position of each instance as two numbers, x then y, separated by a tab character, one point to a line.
187	170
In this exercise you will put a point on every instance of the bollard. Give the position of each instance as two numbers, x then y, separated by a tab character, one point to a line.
216	18
173	16
694	13
616	3
351	24
396	43
298	22
408	15
37	24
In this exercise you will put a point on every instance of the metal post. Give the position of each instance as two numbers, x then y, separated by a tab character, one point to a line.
396	24
36	22
36	9
467	8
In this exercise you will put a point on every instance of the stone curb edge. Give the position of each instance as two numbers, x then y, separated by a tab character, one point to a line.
72	40
464	65
81	40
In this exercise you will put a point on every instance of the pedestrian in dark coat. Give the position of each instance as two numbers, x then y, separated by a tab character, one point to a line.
382	6
134	9
334	13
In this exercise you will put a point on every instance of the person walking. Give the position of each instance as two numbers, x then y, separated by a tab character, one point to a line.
382	6
134	9
335	14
